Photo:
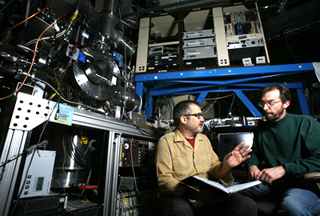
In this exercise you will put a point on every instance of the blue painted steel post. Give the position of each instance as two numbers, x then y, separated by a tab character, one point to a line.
248	103
201	97
149	107
303	102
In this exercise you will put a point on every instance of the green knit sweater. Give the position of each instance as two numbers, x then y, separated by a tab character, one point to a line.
293	142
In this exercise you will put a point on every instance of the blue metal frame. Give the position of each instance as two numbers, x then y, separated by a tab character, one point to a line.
237	80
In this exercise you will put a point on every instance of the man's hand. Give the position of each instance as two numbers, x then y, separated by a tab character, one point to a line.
237	156
253	172
234	158
267	176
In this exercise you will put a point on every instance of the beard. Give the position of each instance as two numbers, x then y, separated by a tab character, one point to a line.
195	128
273	117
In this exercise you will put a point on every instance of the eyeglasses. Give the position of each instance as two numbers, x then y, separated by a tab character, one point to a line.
198	115
269	103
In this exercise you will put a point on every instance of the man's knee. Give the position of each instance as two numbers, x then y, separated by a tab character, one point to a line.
174	205
300	202
290	206
178	210
241	205
248	207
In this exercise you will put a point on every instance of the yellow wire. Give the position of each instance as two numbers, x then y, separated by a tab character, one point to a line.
57	79
78	206
77	18
54	71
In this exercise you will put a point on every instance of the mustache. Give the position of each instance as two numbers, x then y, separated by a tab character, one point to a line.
268	112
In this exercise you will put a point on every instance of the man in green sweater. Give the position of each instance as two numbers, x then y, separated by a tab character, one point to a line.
289	147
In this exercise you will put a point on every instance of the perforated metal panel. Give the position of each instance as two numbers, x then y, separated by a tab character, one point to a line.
30	112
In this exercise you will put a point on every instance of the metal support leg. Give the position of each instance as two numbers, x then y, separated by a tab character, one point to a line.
111	180
149	107
13	146
115	164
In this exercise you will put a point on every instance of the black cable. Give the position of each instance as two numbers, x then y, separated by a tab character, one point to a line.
78	4
26	151
8	161
128	190
231	105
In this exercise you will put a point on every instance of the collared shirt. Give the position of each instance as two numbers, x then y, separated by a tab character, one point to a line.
177	160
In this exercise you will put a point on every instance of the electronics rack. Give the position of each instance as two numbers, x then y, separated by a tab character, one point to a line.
234	33
136	152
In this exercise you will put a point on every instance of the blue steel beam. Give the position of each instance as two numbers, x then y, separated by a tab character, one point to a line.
242	97
226	72
213	84
167	90
244	87
178	90
213	90
224	82
180	77
247	102
260	85
202	96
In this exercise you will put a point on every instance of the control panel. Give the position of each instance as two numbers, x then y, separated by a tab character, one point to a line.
136	152
37	173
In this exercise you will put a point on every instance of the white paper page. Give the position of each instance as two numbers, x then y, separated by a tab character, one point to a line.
247	142
215	184
239	187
